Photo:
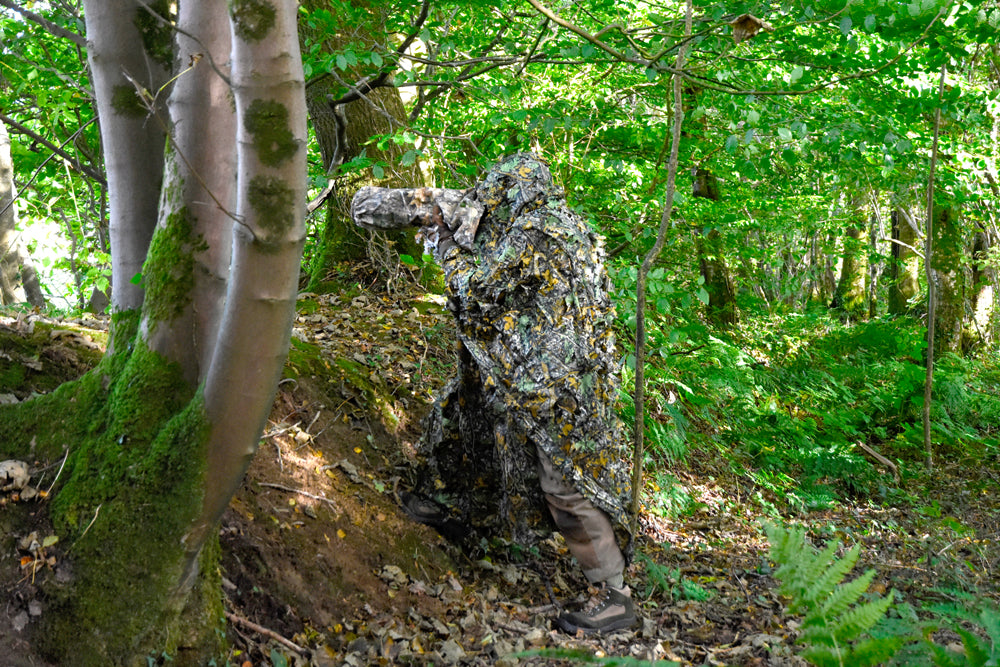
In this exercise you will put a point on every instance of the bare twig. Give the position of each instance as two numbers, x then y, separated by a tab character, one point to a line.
270	634
301	493
56	479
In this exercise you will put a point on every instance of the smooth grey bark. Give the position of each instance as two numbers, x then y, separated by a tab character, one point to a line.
267	244
18	279
132	140
199	184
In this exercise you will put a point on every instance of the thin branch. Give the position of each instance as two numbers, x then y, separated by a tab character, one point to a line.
52	28
261	630
37	171
647	262
73	161
301	493
928	267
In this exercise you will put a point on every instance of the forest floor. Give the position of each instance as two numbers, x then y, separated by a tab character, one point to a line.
321	567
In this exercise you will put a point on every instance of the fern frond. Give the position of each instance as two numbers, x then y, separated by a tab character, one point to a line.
844	595
976	652
861	619
872	652
990	618
942	657
833	574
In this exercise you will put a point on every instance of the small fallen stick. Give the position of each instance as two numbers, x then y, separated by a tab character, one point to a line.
261	630
301	493
881	459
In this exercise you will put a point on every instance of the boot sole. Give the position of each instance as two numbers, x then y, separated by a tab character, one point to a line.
573	628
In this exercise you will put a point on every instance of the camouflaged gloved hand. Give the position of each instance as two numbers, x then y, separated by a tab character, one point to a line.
444	216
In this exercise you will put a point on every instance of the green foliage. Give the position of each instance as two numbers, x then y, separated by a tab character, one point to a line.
669	584
836	622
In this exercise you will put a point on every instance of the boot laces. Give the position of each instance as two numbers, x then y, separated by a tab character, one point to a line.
599	602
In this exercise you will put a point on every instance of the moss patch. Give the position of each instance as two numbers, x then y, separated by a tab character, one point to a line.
132	489
252	19
168	274
274	202
157	35
131	486
267	123
125	101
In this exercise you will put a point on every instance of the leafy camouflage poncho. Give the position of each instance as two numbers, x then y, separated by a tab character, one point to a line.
537	364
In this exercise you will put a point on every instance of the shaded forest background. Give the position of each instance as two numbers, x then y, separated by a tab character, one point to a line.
824	151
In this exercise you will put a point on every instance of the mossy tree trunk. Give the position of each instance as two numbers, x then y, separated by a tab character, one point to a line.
160	433
344	132
850	297
904	268
982	296
721	308
950	280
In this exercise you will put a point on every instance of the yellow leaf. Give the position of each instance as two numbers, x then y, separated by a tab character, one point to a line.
341	534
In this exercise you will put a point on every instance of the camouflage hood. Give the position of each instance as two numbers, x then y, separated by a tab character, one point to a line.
516	184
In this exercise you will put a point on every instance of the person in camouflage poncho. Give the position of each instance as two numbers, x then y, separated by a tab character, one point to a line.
526	431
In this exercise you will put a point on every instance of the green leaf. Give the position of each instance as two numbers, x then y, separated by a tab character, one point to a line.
377	59
796	74
409	157
378	172
785	134
278	659
753	116
136	279
703	295
408	259
845	25
341	62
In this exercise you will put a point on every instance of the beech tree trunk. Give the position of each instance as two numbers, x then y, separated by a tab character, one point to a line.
159	435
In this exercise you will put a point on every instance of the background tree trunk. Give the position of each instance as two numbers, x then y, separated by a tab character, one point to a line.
18	279
721	310
950	281
344	132
850	296
982	295
904	268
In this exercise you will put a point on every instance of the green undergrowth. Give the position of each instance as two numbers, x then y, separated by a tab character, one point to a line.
789	401
845	624
130	488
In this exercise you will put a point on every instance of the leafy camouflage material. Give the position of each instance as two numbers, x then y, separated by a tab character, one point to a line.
392	208
537	365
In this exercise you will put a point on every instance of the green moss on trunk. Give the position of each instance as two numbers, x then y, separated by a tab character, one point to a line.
131	487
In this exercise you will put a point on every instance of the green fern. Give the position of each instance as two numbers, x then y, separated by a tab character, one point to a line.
835	621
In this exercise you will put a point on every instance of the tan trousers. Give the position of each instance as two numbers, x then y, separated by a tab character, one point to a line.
586	529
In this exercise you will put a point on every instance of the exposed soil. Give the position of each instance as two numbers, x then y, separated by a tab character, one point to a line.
322	568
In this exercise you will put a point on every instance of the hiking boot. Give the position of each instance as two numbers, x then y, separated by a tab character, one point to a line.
611	609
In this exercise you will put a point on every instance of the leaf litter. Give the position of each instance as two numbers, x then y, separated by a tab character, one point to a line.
320	567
